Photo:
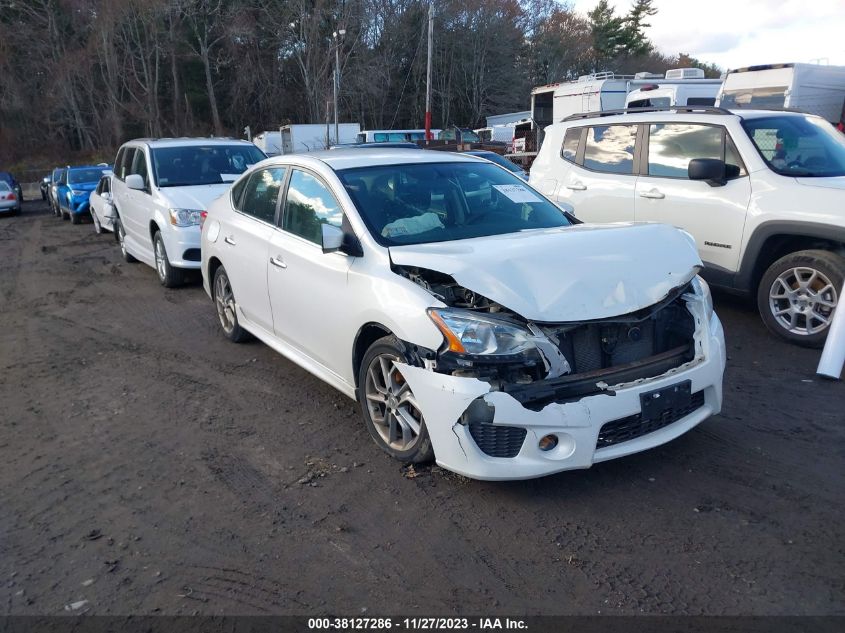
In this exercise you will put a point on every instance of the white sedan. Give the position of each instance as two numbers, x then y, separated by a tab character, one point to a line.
100	205
477	323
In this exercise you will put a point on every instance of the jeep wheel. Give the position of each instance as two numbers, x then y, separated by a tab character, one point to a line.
798	293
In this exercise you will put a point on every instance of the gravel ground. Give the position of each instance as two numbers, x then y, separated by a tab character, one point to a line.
150	466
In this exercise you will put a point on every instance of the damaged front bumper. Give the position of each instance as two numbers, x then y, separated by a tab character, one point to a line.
594	428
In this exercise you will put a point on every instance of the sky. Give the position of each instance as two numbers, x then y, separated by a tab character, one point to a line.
738	33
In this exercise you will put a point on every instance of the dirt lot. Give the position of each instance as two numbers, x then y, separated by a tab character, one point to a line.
150	466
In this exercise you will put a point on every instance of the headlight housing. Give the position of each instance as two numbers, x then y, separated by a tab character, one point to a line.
185	217
702	289
480	335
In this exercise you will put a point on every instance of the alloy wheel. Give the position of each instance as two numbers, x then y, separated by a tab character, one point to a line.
802	300
391	404
224	299
161	260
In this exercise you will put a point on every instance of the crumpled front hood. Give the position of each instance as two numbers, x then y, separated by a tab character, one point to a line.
830	182
197	197
576	273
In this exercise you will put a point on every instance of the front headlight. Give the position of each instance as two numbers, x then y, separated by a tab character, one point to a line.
702	289
185	217
479	335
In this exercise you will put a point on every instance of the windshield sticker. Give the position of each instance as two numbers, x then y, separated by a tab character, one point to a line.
517	193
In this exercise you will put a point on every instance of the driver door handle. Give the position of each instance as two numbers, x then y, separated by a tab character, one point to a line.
654	194
229	240
277	262
576	186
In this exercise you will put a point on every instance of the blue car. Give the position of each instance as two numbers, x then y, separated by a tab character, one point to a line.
74	189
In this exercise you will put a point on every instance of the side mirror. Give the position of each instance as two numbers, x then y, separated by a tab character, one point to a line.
332	238
711	170
46	181
134	181
106	196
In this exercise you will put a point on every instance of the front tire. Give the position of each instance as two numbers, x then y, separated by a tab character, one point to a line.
390	410
75	218
169	276
227	313
120	235
798	294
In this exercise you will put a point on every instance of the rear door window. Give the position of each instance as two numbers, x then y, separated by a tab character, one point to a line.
261	193
610	148
571	141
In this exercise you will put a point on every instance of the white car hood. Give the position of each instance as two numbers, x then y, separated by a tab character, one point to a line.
829	182
197	197
576	273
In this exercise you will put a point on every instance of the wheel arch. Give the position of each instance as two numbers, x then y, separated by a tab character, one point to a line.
213	264
773	240
367	334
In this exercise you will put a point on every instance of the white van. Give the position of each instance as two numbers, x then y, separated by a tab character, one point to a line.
809	88
161	190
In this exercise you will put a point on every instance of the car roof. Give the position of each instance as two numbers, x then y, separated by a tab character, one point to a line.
189	141
350	158
80	167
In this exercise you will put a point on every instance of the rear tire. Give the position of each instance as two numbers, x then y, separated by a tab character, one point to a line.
75	218
169	276
227	313
798	294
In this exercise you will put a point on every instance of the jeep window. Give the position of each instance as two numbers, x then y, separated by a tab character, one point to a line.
672	146
610	148
438	202
701	101
755	98
799	146
571	140
190	165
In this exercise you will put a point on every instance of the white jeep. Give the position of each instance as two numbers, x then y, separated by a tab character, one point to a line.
762	192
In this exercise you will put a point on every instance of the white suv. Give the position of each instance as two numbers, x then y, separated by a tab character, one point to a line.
762	193
474	320
160	190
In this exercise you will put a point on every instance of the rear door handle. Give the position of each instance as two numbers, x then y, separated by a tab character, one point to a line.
654	194
229	240
576	186
278	262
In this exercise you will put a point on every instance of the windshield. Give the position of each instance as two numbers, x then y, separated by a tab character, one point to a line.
84	175
798	146
202	164
439	202
4	187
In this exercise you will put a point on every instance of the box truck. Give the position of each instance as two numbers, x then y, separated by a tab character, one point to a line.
306	137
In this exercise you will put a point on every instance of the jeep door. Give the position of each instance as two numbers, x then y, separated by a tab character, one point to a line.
599	172
713	213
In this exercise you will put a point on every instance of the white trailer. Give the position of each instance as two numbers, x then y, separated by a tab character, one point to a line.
694	92
269	142
306	137
810	88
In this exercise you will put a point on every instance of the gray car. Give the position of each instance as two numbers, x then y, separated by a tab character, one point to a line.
9	200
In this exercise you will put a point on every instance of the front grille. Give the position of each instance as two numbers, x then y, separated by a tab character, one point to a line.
192	255
635	426
497	441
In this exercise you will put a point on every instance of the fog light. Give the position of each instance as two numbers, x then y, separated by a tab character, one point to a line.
548	442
